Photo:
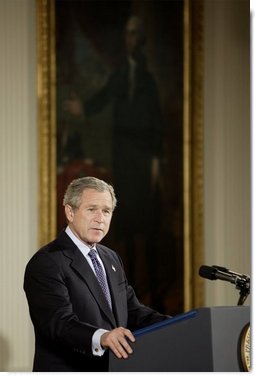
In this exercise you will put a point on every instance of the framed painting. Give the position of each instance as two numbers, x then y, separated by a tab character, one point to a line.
120	88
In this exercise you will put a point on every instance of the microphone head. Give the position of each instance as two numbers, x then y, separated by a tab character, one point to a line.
219	268
207	272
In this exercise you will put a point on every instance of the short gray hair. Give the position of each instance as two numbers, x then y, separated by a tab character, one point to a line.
75	189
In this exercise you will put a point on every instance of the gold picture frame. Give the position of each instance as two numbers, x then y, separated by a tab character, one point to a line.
193	227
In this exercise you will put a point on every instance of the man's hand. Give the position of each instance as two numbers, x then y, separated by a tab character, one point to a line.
73	105
117	342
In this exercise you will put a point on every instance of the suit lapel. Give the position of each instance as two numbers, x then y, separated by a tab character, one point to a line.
81	266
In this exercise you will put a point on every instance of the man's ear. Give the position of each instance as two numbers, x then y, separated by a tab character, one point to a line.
69	213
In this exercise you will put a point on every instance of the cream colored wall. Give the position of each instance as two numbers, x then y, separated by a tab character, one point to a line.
18	177
227	156
227	143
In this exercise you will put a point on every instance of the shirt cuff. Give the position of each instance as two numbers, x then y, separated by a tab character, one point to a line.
97	349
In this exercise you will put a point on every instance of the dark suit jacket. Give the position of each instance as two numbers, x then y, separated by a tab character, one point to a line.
67	306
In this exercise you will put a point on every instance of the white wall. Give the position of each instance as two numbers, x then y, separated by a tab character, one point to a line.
18	177
227	143
227	160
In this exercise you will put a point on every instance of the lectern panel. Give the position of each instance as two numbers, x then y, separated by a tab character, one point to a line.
206	339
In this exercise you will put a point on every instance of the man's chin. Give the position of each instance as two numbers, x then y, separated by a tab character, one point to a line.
96	239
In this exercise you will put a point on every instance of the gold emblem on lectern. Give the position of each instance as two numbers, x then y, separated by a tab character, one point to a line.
246	348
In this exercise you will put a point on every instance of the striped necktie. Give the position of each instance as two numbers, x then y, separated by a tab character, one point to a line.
101	277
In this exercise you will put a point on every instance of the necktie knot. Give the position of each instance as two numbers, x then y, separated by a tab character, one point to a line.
92	254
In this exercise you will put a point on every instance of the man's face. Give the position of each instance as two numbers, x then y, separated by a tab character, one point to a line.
133	37
91	221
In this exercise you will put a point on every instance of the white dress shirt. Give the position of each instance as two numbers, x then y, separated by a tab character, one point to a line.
97	349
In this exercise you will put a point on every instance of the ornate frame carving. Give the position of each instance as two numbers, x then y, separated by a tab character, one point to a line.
46	92
193	139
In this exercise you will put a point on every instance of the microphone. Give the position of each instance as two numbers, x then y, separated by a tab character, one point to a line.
242	282
215	272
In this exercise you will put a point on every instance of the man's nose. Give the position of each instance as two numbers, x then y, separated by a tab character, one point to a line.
99	216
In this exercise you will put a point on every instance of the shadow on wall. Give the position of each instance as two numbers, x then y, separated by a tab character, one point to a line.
4	354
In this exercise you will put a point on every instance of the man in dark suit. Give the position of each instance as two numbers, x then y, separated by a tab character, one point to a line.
79	299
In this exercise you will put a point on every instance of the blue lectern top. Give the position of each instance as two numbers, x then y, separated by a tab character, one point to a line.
167	322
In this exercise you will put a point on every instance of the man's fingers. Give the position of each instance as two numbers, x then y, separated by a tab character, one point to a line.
125	345
129	335
116	340
118	350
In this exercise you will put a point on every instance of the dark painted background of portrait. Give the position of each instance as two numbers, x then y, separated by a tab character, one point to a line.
116	138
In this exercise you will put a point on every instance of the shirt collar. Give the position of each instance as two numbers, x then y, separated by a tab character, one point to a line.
81	245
